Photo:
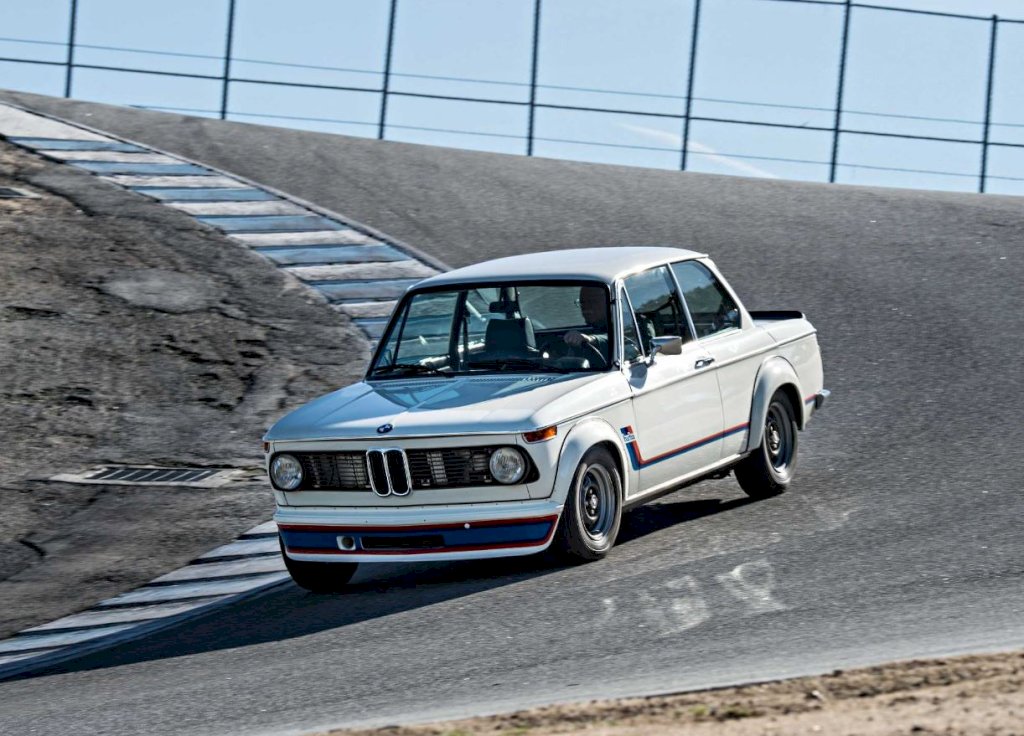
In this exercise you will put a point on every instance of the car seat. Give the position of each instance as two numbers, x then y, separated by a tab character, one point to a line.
510	338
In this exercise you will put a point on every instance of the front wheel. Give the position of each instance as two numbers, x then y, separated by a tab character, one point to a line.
593	509
768	470
319	577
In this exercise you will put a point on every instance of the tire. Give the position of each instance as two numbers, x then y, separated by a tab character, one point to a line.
593	509
768	470
319	577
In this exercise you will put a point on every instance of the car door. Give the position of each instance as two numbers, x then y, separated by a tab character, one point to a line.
676	403
732	342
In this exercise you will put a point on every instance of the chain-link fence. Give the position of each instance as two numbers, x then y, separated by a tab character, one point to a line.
978	145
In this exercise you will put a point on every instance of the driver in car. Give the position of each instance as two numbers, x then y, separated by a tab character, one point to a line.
594	306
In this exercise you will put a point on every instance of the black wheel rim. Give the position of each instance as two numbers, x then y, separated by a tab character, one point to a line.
778	437
597	502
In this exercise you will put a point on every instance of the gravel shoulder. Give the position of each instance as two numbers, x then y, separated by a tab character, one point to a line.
129	333
979	695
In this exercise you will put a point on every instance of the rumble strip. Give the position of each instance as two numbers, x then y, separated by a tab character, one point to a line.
245	568
359	271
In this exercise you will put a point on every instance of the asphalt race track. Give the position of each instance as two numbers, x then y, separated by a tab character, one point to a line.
900	538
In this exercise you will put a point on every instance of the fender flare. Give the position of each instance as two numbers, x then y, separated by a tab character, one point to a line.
774	373
584	435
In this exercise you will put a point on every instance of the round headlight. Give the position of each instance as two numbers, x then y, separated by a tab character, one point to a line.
286	472
507	465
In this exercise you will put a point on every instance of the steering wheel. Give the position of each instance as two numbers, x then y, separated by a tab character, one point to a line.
585	350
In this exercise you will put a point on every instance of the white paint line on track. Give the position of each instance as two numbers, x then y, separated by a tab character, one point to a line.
18	123
59	638
224	569
155	180
101	617
272	207
318	237
110	156
362	271
185	590
319	255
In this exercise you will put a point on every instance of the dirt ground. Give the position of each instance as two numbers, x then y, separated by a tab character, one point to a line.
129	333
963	696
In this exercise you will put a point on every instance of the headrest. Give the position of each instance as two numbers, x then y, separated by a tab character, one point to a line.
513	336
509	309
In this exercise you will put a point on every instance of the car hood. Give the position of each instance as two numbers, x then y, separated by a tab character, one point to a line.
464	404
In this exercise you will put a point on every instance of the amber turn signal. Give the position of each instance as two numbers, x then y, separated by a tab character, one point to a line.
541	434
266	447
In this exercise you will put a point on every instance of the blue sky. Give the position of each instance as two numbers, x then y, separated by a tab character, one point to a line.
758	60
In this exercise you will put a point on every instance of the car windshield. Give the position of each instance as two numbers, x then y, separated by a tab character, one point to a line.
498	328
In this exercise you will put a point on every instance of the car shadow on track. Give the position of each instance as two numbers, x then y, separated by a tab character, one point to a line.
384	589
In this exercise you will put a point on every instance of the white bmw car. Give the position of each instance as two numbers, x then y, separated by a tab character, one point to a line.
530	401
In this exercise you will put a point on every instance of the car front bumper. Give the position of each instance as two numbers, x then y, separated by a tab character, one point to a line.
417	534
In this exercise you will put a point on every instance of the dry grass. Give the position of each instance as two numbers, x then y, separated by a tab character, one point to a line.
979	695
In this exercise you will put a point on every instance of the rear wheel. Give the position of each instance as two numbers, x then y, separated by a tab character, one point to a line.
319	577
768	470
593	509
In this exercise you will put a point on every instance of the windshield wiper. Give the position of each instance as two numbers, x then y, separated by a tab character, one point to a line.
410	369
506	363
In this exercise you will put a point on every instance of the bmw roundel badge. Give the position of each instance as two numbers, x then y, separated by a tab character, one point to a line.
384	429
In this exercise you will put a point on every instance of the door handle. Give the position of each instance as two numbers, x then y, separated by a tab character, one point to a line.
703	363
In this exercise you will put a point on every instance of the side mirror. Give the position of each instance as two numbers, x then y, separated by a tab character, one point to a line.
666	344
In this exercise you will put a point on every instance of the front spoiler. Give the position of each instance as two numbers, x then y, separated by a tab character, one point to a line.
417	534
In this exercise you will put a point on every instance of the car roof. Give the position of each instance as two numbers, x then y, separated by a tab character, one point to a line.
601	264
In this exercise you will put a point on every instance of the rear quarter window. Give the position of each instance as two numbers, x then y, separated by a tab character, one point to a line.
711	307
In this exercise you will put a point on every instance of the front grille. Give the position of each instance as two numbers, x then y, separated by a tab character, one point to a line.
334	471
450	468
378	474
390	470
395	462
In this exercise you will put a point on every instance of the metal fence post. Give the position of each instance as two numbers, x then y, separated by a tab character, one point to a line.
689	84
70	64
533	77
839	93
988	103
227	60
387	71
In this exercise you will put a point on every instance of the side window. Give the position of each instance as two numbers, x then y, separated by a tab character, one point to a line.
711	307
656	305
631	349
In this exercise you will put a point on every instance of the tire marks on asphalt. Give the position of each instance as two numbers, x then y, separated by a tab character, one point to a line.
683	603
